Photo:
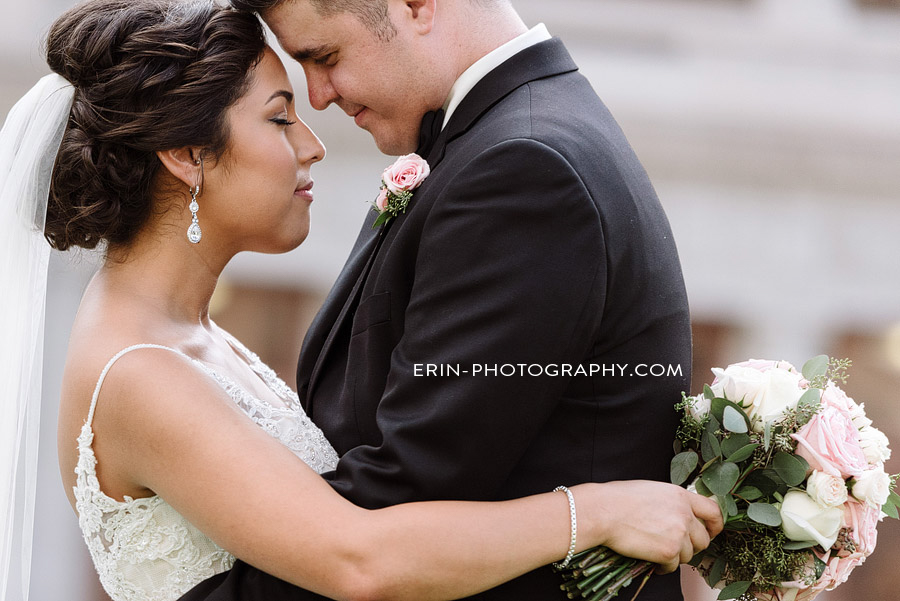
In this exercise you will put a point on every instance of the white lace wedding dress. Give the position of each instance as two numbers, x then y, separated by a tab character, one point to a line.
142	548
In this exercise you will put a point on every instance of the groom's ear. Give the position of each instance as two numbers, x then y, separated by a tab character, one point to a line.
422	14
183	163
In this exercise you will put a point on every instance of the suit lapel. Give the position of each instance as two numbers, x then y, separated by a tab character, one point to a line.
321	333
541	60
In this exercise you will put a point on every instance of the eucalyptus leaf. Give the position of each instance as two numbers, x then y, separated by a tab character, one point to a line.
764	513
799	545
734	420
717	408
742	454
815	367
739	523
721	478
716	571
764	480
890	510
735	590
682	466
749	493
812	397
733	443
710	447
820	566
701	488
709	464
894	498
767	435
708	392
791	468
697	559
731	508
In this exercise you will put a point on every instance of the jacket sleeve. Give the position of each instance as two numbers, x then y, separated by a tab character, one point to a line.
510	278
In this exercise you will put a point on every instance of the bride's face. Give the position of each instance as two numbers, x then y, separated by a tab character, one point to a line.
260	191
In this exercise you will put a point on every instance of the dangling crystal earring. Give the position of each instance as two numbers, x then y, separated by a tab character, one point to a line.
193	233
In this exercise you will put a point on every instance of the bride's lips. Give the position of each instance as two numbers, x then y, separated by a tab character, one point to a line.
305	191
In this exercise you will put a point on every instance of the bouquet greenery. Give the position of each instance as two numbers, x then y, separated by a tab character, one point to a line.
798	471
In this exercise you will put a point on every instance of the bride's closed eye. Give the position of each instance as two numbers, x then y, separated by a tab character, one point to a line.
282	119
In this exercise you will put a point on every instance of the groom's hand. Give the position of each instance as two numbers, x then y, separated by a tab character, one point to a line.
655	521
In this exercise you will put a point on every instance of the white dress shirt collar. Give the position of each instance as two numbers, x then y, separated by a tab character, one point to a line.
488	63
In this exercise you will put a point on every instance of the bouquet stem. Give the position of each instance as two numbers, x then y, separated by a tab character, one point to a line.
600	574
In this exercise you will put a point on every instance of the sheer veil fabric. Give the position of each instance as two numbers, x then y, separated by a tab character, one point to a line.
29	142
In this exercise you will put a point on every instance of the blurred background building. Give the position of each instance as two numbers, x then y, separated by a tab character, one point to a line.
771	130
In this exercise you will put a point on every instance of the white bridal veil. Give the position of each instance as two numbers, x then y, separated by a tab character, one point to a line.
29	142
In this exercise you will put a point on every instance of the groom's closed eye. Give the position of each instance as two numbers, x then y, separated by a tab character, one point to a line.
320	55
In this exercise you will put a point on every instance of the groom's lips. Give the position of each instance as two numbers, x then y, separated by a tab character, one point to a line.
357	115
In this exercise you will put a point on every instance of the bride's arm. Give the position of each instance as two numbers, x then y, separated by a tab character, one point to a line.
178	434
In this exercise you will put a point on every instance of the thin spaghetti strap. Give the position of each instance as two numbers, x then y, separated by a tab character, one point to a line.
116	357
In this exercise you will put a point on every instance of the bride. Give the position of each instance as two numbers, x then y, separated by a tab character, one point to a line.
168	135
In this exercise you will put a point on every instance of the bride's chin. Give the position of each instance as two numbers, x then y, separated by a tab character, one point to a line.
286	243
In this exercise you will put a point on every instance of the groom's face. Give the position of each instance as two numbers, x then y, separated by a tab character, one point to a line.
386	82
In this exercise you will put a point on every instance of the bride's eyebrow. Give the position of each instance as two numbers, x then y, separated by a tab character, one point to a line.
281	94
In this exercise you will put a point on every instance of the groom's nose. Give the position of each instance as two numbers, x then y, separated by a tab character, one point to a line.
318	84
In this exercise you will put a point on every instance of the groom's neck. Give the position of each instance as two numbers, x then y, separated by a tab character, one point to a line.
480	28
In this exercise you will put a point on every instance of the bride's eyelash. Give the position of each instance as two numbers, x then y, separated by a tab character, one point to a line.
281	121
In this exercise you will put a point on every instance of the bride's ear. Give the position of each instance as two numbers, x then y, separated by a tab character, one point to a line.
184	164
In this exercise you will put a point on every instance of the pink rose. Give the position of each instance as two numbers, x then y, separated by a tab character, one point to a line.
862	521
835	397
407	173
382	200
838	570
830	443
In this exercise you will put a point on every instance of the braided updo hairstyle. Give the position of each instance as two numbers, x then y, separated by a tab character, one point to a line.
149	75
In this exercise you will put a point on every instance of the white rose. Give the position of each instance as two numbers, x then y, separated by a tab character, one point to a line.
699	407
802	519
826	490
768	393
873	487
737	382
875	445
858	415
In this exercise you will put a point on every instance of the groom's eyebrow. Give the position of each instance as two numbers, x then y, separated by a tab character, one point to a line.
312	53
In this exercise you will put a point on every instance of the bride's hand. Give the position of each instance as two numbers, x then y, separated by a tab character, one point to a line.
653	521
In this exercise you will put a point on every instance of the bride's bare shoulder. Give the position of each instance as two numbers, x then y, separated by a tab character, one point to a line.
140	382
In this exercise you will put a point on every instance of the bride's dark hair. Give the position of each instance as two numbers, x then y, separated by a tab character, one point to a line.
149	75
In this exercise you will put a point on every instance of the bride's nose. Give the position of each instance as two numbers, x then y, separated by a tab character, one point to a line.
309	147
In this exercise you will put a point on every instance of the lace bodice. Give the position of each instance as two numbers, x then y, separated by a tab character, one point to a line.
142	548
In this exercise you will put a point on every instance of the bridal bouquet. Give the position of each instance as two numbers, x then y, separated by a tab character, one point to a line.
798	471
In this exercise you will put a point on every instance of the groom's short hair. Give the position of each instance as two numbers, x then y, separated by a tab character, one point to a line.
372	13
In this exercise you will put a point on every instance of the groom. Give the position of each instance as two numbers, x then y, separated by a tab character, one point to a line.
498	338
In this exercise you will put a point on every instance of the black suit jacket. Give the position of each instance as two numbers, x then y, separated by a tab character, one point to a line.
536	243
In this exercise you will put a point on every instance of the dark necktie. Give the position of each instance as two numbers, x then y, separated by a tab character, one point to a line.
429	131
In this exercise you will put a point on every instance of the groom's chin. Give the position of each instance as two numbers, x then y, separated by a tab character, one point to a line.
392	142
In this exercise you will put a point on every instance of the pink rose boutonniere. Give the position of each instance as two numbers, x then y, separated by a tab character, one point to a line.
397	183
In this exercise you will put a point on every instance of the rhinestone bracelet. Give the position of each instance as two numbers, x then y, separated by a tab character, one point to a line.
565	562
